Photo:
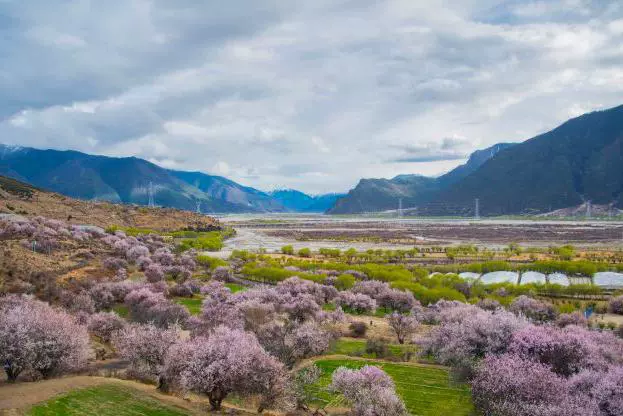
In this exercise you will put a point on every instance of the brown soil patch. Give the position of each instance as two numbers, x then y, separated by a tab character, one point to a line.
87	272
377	327
63	264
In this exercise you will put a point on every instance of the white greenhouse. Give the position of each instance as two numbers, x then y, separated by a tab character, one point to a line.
500	277
532	277
469	276
608	280
558	279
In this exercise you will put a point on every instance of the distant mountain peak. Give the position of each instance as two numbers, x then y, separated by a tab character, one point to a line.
296	200
8	149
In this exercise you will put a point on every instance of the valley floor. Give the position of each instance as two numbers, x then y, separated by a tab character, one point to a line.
270	232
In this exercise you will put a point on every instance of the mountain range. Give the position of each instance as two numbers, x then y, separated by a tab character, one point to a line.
128	180
579	161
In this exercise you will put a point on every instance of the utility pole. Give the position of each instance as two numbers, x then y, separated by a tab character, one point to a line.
477	209
400	224
150	191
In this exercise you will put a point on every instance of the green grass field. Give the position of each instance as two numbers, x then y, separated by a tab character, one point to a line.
426	391
105	400
357	348
234	287
121	310
192	304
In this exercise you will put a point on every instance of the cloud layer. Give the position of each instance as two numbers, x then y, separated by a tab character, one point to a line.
276	93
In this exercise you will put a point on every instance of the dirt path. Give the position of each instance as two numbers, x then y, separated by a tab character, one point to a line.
15	399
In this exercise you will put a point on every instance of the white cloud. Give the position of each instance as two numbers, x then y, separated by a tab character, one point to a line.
221	168
320	144
310	95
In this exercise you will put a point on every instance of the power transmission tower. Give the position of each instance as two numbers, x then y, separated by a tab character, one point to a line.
198	207
150	191
477	209
589	210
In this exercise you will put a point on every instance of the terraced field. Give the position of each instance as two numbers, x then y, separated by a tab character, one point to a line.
426	390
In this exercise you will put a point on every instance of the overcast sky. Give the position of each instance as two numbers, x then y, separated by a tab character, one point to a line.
311	95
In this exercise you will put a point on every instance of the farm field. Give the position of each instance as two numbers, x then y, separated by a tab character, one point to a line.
425	390
107	399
